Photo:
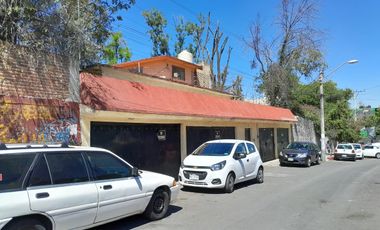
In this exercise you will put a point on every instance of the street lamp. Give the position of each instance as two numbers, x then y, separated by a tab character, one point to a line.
321	78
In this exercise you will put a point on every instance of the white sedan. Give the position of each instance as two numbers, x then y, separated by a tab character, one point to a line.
372	151
222	164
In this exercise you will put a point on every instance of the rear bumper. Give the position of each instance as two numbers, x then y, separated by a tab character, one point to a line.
344	156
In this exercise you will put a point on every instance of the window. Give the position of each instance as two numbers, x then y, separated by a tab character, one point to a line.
251	148
368	147
67	167
40	174
178	73
241	148
13	168
105	166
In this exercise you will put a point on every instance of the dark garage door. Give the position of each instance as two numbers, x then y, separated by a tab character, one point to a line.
266	142
153	147
195	136
282	138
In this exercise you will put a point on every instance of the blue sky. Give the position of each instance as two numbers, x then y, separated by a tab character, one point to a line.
351	31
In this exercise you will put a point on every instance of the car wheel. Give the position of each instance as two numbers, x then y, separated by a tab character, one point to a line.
378	155
158	205
260	176
282	164
308	162
230	183
27	224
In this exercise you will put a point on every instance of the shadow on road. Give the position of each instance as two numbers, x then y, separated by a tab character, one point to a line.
217	191
134	221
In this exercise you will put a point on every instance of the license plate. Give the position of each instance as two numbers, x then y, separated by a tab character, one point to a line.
194	177
290	159
344	155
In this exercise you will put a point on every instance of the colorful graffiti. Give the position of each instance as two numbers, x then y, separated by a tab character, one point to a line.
38	121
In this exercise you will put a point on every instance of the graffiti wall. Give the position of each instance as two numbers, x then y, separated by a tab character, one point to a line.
24	120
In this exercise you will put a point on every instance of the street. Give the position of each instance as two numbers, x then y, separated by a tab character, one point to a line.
334	195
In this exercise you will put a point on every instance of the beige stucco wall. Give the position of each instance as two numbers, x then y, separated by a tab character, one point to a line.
88	115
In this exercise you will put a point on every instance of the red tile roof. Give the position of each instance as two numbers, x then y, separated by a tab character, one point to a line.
112	94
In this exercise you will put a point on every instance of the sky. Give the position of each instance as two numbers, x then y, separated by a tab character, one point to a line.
351	30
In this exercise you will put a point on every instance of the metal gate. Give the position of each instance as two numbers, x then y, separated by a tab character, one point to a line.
282	138
154	147
266	143
196	136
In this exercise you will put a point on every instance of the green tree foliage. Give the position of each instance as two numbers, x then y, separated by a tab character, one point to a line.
338	116
157	23
76	28
180	29
116	50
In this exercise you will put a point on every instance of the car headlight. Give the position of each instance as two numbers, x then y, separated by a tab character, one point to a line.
281	154
302	155
218	166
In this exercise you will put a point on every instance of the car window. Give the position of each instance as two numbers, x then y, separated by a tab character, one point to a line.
344	147
105	166
13	168
67	167
40	174
214	149
357	147
241	148
251	148
368	147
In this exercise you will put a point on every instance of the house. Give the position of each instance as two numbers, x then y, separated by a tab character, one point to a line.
154	122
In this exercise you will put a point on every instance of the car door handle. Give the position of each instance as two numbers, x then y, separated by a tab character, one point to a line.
107	187
42	195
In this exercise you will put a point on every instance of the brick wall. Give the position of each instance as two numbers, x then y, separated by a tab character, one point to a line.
26	73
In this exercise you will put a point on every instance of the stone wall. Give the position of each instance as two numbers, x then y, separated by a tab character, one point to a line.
304	130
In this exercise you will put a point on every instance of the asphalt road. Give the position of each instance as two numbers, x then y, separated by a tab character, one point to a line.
334	195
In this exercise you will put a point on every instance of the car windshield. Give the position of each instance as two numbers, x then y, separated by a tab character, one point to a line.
297	145
357	147
214	149
344	147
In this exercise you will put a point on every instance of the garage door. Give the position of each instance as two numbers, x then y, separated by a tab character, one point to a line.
195	136
152	147
266	142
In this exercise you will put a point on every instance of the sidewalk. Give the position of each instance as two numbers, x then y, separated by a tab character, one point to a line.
272	163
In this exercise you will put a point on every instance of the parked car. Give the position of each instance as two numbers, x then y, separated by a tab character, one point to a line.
62	187
222	164
358	151
371	151
345	152
300	153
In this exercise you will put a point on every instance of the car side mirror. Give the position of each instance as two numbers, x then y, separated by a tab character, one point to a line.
135	172
240	155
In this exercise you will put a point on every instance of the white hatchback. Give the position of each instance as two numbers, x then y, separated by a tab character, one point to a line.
372	151
62	187
222	164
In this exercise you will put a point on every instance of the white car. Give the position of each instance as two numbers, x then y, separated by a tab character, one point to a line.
372	151
222	164
358	151
345	152
52	187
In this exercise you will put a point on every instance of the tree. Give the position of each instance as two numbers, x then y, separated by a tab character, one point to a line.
215	56
196	32
180	29
157	22
293	54
76	28
116	50
236	88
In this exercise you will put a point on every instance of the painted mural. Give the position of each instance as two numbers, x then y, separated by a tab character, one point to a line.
24	120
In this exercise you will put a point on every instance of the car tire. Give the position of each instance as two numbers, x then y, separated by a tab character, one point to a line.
317	162
260	176
308	162
230	183
158	205
282	164
377	155
27	224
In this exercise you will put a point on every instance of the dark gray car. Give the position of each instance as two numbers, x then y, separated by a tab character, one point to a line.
300	153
